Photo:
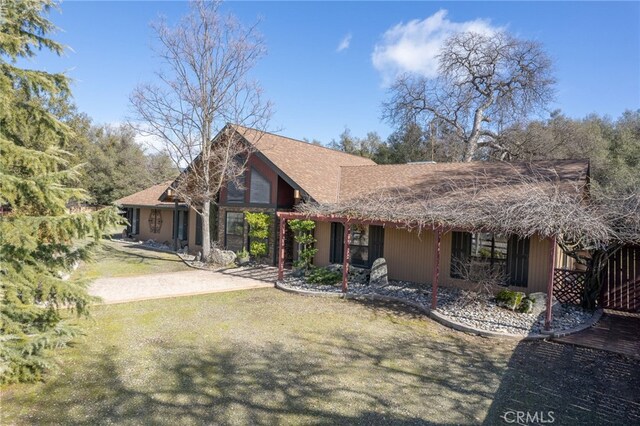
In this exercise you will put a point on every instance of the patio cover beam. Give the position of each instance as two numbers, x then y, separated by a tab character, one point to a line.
436	269
281	231
552	261
346	257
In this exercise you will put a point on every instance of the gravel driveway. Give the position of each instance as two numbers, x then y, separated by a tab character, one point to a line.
172	284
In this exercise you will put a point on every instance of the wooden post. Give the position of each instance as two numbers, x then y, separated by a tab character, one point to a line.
347	256
175	225
552	263
436	270
281	231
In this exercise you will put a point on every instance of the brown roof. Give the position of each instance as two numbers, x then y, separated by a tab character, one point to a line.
315	168
359	181
147	197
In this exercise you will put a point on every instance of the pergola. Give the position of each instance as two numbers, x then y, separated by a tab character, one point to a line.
438	230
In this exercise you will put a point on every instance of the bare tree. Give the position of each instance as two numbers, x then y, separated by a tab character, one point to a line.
202	86
484	83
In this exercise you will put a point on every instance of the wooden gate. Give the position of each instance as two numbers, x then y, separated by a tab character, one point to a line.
621	281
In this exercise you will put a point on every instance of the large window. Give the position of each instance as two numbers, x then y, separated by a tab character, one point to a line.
260	192
503	256
235	191
234	231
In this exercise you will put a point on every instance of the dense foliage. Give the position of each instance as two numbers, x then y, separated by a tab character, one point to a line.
259	224
114	164
37	181
323	276
303	235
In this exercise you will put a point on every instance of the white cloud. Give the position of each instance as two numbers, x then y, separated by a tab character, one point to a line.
344	43
413	47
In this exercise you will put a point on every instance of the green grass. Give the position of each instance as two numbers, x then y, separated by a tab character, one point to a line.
260	356
113	259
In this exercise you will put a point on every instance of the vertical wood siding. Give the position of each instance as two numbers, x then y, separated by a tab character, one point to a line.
409	256
538	264
322	234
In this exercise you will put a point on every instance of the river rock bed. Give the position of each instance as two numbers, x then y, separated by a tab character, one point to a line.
475	310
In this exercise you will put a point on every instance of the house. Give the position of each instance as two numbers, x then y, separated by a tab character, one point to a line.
284	174
281	172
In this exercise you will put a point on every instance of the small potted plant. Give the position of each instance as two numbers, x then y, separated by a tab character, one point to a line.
242	257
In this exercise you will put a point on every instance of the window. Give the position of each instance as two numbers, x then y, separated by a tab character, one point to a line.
234	231
198	229
235	191
183	224
507	256
260	192
155	221
336	249
359	246
136	221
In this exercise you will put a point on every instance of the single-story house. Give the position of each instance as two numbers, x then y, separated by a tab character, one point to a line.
284	174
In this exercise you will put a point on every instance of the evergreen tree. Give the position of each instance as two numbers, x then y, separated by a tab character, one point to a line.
37	231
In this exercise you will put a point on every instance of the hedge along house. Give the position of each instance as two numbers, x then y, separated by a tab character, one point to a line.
280	173
431	221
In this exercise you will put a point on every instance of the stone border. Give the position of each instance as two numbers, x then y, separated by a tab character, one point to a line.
593	321
445	320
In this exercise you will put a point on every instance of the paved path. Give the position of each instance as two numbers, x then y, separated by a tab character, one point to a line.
171	284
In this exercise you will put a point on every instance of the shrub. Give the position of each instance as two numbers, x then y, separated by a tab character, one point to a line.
323	276
515	300
303	235
259	224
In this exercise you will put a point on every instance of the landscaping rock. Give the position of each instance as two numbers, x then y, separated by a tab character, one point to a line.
540	304
482	313
221	257
379	275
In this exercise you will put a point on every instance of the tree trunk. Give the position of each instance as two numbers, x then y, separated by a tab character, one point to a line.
206	238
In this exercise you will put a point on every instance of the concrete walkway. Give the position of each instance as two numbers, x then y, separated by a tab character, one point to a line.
172	284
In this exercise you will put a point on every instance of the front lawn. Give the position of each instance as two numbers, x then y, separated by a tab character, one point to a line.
116	259
268	357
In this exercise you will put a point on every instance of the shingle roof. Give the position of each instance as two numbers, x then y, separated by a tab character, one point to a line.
315	168
359	181
147	197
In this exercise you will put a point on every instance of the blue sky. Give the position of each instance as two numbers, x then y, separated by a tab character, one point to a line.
318	89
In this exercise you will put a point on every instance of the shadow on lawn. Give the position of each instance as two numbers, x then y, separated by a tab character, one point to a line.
337	379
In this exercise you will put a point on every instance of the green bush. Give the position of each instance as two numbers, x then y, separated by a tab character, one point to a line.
509	299
259	224
303	234
323	276
515	301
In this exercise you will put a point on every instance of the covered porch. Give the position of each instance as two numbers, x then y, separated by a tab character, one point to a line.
434	257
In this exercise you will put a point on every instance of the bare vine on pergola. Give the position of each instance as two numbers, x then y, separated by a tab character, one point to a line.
588	229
